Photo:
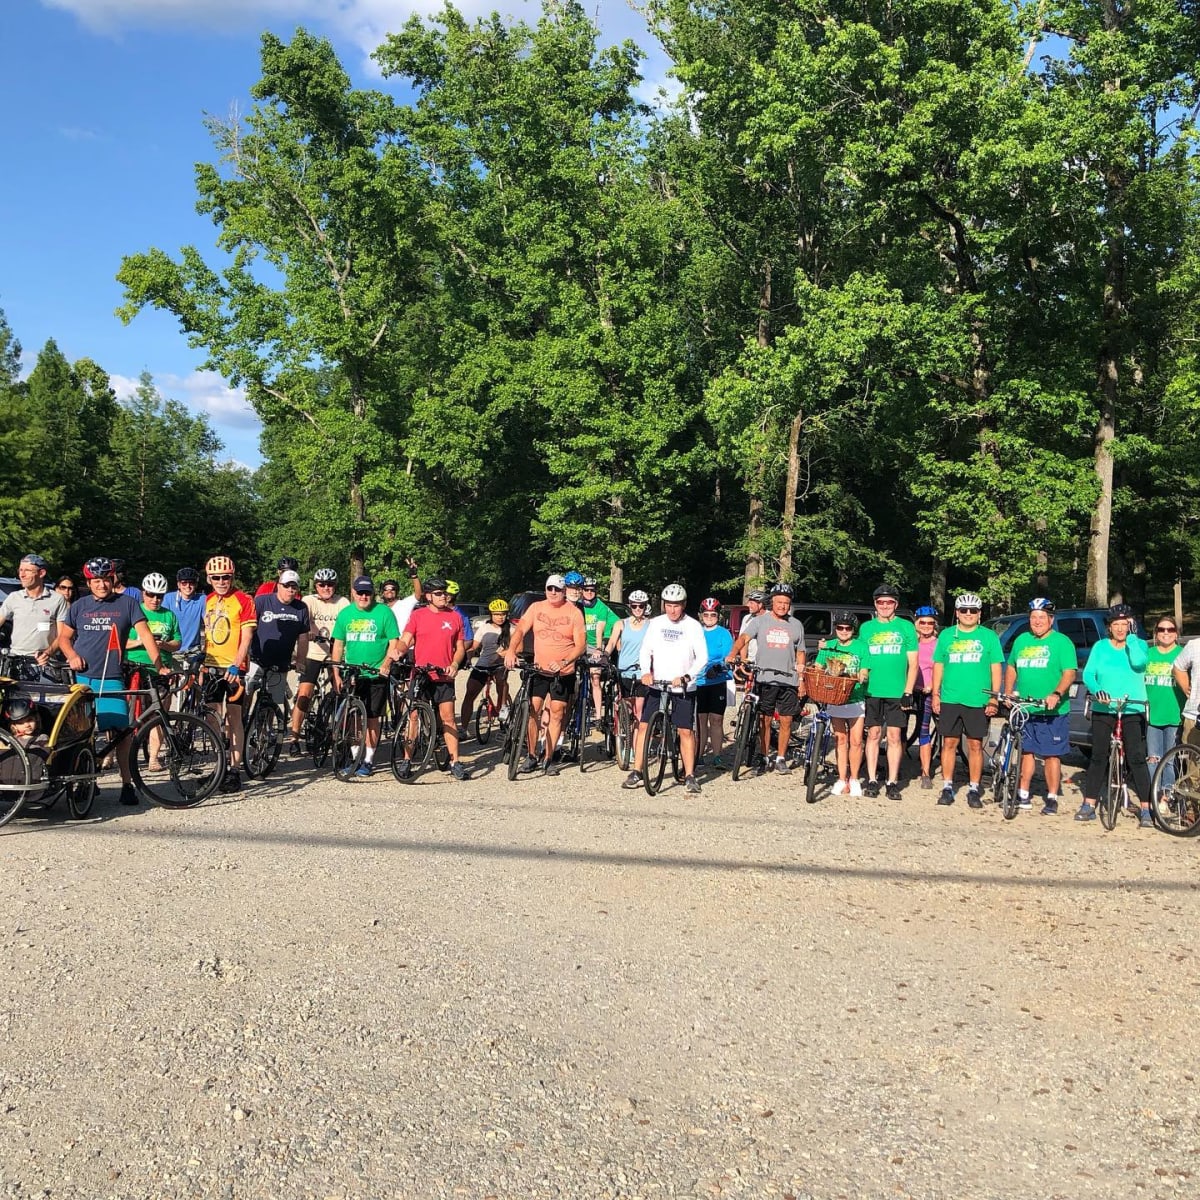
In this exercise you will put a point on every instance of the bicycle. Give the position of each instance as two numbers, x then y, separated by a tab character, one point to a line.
620	719
662	739
1115	797
488	713
593	659
1005	759
746	728
518	723
317	727
265	723
818	739
418	728
1176	808
348	729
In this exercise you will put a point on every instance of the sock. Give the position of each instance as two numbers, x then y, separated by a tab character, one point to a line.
1022	794
369	756
1051	797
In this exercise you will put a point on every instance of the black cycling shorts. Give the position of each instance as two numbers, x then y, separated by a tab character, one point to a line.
631	685
482	674
683	708
372	691
312	671
556	687
955	720
779	698
886	711
711	698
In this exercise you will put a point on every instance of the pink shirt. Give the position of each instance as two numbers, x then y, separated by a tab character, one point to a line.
925	649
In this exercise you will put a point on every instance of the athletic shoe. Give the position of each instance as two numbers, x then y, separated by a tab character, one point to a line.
128	795
974	799
365	771
232	782
856	788
718	763
530	764
783	767
926	783
1050	808
763	767
1086	812
633	780
893	790
295	750
405	770
1145	820
1025	803
692	786
458	771
552	768
504	712
840	788
947	796
871	788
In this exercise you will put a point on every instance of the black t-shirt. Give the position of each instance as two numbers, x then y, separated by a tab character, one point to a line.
280	624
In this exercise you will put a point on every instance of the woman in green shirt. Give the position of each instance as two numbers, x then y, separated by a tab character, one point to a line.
1165	697
845	649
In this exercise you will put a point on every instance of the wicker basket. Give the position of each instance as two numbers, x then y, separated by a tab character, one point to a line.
826	688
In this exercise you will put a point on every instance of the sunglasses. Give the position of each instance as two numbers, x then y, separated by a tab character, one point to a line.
154	595
886	601
324	583
553	589
220	578
850	627
64	587
968	610
295	587
585	588
1166	629
639	605
358	593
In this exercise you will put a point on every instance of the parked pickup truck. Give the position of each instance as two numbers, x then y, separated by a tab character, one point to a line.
1085	627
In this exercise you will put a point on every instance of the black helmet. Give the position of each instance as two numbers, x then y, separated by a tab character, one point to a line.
758	596
18	708
118	565
436	584
844	616
783	589
884	591
187	575
1118	612
288	564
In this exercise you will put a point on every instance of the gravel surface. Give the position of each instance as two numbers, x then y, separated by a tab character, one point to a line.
559	988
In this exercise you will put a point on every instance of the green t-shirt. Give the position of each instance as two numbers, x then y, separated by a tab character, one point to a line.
1165	697
592	617
366	633
852	656
967	659
165	629
888	646
1040	662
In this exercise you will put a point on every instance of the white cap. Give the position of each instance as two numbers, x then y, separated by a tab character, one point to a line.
556	581
289	577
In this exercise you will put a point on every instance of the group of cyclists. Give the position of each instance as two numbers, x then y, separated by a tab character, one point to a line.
903	672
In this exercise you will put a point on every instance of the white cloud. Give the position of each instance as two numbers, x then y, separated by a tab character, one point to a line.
76	133
201	392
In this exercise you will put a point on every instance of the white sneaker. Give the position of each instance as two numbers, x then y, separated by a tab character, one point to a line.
856	787
841	788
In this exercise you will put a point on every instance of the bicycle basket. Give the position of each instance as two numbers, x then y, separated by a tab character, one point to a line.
828	689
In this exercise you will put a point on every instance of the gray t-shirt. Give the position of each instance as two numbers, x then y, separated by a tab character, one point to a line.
34	619
1189	662
779	639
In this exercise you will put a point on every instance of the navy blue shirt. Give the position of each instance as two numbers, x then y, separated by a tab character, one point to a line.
92	620
280	624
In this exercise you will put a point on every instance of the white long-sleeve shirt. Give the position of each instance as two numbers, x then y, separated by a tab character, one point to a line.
672	649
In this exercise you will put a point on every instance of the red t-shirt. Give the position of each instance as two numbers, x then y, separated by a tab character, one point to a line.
438	634
265	589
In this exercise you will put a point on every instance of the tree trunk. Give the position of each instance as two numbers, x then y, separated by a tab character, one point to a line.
789	497
616	580
937	584
1101	524
358	503
754	561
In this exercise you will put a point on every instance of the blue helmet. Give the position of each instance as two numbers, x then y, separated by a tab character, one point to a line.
926	610
573	579
1041	604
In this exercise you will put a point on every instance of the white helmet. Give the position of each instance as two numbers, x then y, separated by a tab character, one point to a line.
156	583
968	600
638	597
673	593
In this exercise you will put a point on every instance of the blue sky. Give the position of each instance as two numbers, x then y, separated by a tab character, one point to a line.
104	103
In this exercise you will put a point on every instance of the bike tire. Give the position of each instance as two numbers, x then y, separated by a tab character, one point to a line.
816	760
82	794
11	802
623	733
518	726
1010	772
320	733
196	760
349	743
485	719
743	740
1176	810
1110	798
262	739
656	753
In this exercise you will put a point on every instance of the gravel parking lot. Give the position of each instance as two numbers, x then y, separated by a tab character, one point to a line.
557	988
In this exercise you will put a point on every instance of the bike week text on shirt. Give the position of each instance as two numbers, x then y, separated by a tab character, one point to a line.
967	659
888	645
1040	662
366	634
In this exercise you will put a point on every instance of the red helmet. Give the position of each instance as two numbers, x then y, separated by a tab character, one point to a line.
710	604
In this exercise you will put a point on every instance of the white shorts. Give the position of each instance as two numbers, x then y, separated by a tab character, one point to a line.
849	712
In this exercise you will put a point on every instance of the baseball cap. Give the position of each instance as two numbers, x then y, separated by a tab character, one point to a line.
364	583
291	577
556	581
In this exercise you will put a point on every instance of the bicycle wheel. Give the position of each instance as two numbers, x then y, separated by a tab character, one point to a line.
319	728
657	751
82	792
514	743
1176	809
263	739
485	718
1110	798
817	746
1008	780
743	739
195	758
623	731
349	742
14	791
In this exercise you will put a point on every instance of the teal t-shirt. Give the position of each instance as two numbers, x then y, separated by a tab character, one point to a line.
366	633
967	657
1164	694
162	624
1040	662
888	644
852	656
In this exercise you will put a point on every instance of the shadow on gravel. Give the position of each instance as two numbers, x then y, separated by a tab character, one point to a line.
684	862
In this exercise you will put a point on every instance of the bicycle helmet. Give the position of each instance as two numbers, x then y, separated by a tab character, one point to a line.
98	568
758	596
845	617
886	591
1118	612
710	604
437	584
967	600
674	593
589	581
452	587
1041	604
288	564
187	575
638	597
783	589
36	560
219	564
926	610
19	708
324	575
156	583
573	579
118	565
498	606
390	583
